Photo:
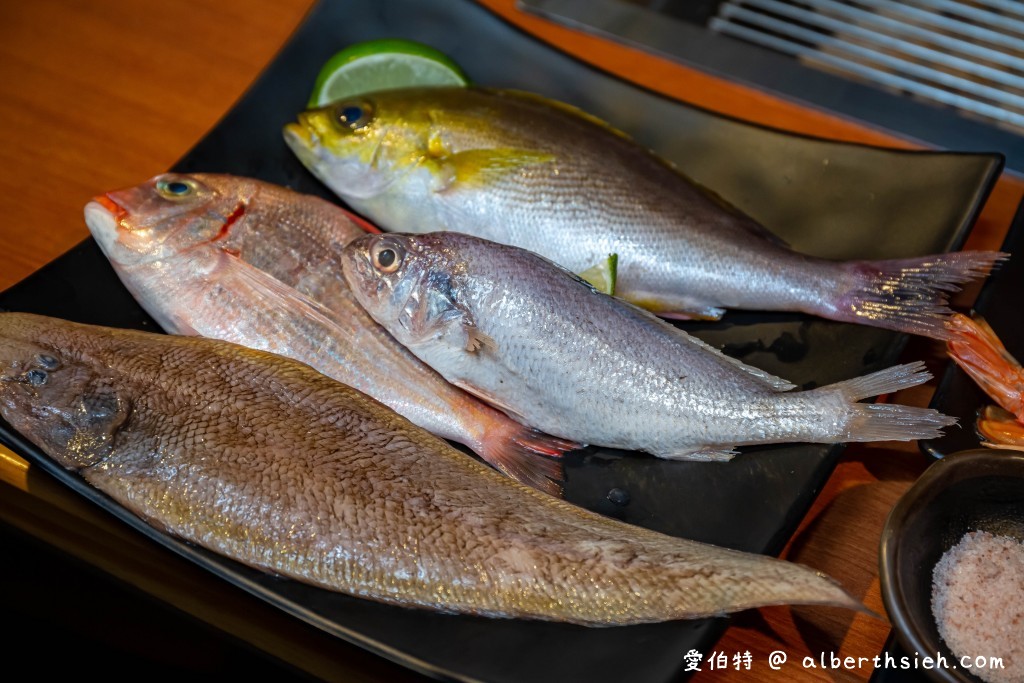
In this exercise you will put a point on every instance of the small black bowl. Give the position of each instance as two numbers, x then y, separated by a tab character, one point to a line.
966	491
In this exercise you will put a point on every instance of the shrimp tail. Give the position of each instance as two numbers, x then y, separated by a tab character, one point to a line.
975	347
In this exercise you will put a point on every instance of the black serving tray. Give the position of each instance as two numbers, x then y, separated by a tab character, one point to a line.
826	198
999	303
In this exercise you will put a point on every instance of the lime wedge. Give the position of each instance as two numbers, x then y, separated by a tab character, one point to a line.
383	65
603	275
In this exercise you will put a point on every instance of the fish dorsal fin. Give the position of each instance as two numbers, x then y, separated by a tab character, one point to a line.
750	225
564	107
776	383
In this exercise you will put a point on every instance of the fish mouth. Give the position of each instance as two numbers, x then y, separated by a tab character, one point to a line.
303	141
366	284
348	178
103	217
300	134
117	212
355	262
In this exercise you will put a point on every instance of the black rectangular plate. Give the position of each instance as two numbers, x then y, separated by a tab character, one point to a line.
999	304
825	198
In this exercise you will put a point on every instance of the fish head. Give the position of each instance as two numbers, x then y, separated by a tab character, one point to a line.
54	394
404	283
167	215
360	147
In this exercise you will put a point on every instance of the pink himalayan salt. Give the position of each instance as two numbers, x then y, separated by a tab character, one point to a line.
978	603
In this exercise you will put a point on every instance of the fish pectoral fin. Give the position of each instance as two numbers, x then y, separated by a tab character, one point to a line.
462	328
454	325
270	292
707	454
479	166
477	340
776	383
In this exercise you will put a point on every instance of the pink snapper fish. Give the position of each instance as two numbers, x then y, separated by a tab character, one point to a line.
246	261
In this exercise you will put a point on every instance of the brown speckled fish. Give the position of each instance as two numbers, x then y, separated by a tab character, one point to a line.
257	264
266	461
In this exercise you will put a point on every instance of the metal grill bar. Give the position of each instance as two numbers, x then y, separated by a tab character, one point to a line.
945	23
886	41
898	65
898	28
910	56
876	75
975	14
1008	6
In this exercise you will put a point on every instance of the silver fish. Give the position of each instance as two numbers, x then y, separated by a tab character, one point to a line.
257	264
548	348
523	170
266	461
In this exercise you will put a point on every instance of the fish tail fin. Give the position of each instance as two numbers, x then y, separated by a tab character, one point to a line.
527	455
909	295
746	581
885	421
798	584
974	346
882	382
832	414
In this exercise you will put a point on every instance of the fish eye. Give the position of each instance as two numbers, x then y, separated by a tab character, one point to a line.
175	189
47	362
36	377
354	115
387	258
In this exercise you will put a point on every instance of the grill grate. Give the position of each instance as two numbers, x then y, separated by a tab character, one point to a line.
966	55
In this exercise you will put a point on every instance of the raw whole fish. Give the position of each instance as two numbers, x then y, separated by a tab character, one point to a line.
548	348
531	172
262	459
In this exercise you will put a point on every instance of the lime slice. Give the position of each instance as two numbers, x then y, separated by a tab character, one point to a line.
603	275
382	65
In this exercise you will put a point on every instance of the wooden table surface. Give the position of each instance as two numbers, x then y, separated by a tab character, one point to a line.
105	94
